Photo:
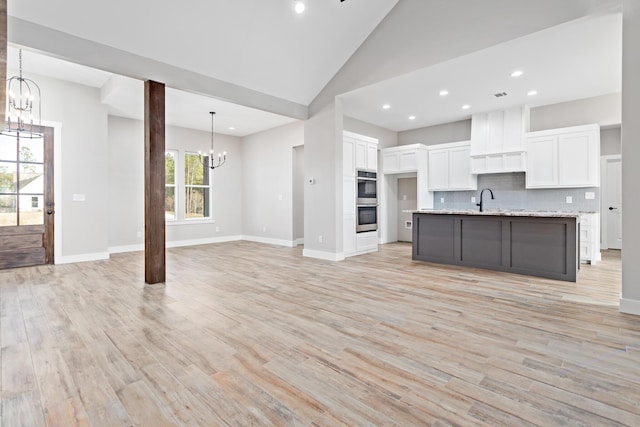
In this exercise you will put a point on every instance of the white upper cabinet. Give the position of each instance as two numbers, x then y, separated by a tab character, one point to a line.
564	158
403	159
449	167
366	151
497	141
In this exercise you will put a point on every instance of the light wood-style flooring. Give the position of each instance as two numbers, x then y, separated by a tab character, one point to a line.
246	334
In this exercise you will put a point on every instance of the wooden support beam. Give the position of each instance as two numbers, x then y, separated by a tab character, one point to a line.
154	222
3	59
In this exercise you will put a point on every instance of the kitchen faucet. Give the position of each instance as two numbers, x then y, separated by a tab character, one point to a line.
481	192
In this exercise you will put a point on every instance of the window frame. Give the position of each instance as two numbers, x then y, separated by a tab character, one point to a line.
180	217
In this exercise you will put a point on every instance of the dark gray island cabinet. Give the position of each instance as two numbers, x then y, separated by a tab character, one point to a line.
533	243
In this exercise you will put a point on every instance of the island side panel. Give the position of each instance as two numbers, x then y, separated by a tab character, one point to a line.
539	246
481	241
434	238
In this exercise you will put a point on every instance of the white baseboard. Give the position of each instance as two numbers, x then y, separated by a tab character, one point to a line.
126	248
629	306
327	256
69	259
269	241
204	241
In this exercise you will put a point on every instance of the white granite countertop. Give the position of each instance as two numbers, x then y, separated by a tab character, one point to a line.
497	212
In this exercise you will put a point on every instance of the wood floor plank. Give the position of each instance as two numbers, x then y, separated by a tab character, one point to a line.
245	334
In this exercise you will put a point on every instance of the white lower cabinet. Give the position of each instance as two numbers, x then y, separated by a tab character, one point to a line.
367	242
590	238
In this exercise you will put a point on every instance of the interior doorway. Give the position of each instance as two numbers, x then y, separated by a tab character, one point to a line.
298	195
611	185
27	200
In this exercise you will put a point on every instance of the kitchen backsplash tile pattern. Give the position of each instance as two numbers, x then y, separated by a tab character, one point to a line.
510	193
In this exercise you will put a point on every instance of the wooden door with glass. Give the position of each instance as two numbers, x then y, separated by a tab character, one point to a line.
26	200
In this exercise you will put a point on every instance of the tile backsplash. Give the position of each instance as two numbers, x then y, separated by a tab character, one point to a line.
510	193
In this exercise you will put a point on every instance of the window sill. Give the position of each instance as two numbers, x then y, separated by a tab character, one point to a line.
172	222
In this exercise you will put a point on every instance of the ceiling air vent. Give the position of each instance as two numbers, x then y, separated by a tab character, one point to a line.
500	94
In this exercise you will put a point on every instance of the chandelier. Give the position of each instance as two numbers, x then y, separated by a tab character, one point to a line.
21	95
210	160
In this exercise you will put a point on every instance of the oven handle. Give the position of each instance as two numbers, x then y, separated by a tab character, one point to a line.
366	179
367	206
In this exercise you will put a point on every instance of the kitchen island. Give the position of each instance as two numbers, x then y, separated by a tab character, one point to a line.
543	244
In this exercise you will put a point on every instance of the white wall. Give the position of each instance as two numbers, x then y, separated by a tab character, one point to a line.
438	134
323	200
126	186
630	298
298	193
605	110
386	137
610	141
83	167
268	184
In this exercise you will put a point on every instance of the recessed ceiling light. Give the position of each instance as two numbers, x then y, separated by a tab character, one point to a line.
444	92
232	128
517	73
532	92
386	106
466	106
412	117
299	6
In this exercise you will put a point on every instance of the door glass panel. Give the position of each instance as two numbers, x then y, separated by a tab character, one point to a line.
31	210
8	148
8	207
31	179
31	150
8	177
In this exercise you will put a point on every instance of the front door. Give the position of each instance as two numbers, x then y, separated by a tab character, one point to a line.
26	200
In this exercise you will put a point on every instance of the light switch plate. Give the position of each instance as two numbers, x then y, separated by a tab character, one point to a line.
79	198
589	195
569	199
441	199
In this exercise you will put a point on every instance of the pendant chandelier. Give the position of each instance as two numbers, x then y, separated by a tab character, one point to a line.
22	95
210	160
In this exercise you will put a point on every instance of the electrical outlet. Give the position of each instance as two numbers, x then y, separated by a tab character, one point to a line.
404	197
473	199
320	239
217	229
441	199
264	229
408	224
589	195
139	234
569	199
280	197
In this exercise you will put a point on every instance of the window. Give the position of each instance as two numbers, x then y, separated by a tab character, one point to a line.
196	187
187	188
170	184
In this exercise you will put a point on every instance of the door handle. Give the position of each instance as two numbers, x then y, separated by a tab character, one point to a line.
50	212
612	208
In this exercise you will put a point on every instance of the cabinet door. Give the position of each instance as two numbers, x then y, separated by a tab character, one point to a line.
348	157
438	170
409	161
361	155
459	168
576	160
372	157
390	162
542	159
349	195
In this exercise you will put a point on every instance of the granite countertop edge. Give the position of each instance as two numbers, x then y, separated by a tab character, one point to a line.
545	214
